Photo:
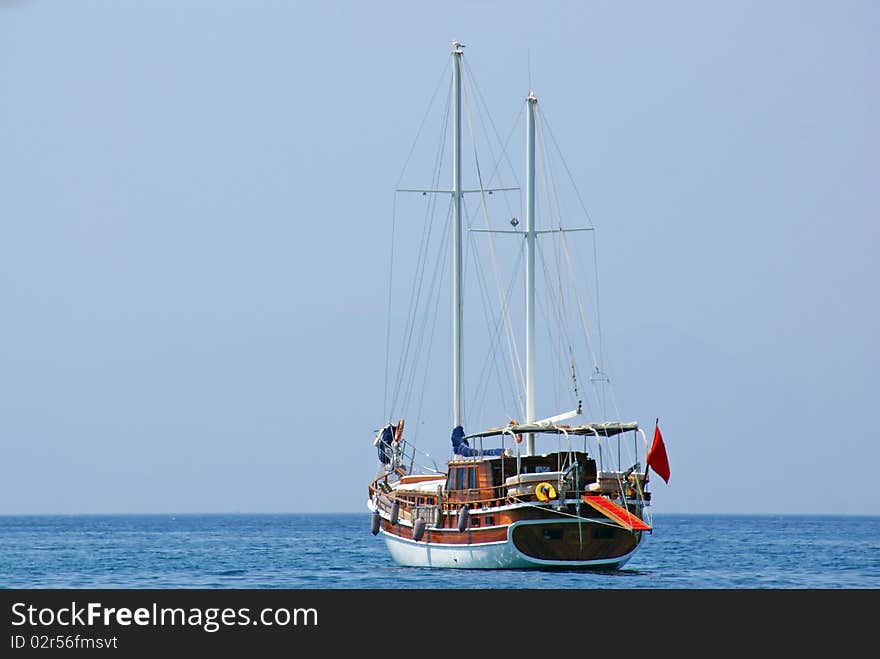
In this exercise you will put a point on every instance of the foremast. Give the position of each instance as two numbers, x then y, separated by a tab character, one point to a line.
457	285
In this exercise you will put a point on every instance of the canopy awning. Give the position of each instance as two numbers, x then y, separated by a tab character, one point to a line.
607	429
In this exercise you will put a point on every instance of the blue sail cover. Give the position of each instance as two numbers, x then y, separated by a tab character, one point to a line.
461	447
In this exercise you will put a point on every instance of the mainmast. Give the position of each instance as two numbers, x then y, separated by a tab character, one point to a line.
530	269
457	294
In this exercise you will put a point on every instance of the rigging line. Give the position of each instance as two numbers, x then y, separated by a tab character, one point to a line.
574	382
558	300
553	213
443	260
597	360
438	267
473	252
583	321
554	208
598	363
509	335
480	115
433	292
558	313
481	101
567	170
553	342
484	205
385	410
497	164
496	168
424	119
495	341
564	244
414	308
598	315
609	386
546	169
552	308
504	150
490	361
516	365
422	255
563	315
436	279
393	227
577	297
491	333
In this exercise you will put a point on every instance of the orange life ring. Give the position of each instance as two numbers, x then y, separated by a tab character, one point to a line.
545	491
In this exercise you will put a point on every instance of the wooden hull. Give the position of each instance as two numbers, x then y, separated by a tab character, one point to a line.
543	544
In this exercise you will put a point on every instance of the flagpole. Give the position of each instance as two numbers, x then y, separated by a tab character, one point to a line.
656	425
657	458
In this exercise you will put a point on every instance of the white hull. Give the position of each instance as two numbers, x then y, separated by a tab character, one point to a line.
490	555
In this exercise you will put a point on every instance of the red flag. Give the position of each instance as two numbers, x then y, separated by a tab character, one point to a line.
657	459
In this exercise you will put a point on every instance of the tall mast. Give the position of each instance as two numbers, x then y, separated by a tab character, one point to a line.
530	269
457	296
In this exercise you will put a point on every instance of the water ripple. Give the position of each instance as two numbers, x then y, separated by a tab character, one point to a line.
338	551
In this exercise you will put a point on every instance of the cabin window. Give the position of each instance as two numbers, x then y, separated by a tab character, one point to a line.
453	479
497	477
475	521
489	520
462	478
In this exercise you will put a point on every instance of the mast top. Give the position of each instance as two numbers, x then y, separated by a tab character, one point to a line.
456	47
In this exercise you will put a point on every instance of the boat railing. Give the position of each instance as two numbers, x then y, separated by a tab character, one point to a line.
416	504
431	514
401	457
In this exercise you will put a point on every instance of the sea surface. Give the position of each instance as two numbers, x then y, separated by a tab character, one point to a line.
308	551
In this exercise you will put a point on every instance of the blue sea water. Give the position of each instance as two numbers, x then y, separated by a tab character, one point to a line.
309	551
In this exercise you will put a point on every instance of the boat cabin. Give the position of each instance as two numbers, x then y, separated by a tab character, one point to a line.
501	477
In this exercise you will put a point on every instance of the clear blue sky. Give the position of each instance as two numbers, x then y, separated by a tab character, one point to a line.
194	214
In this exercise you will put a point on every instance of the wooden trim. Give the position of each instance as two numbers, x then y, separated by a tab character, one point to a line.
449	536
414	478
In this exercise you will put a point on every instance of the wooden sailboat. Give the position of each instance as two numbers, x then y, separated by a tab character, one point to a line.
500	502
